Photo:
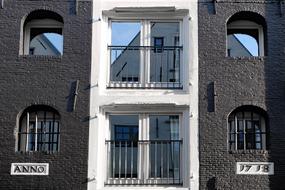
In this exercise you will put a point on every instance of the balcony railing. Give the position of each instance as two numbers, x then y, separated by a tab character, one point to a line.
145	67
144	162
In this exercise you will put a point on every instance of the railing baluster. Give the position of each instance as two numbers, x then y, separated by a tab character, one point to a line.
162	154
132	158
173	161
179	60
155	159
126	158
167	59
114	159
179	162
161	164
160	68
168	157
120	158
108	161
150	156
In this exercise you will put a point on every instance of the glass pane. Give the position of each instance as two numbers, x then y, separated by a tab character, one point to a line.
240	135
257	137
258	146
249	126
46	44
243	42
164	150
125	52
126	33
240	142
250	138
165	56
232	137
124	147
164	127
240	126
31	137
166	31
56	127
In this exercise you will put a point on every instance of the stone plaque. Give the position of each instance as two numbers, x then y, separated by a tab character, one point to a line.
255	168
29	169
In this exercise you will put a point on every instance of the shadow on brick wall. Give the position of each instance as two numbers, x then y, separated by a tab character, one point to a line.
275	91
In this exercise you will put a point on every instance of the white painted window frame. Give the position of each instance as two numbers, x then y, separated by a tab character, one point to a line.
143	117
245	24
37	23
145	40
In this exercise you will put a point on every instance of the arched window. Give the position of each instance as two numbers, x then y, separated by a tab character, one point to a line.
39	129
245	35
42	34
247	128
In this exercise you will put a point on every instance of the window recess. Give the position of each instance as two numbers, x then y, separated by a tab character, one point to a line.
42	34
39	130
144	149
245	39
247	129
145	54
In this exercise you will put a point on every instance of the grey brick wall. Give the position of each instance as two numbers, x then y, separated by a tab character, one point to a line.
29	80
245	81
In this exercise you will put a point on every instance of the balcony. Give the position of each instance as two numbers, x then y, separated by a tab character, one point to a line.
144	162
145	67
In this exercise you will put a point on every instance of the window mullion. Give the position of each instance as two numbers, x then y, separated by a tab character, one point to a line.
147	49
142	54
147	148
140	148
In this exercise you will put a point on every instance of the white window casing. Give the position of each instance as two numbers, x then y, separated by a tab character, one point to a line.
37	23
245	24
145	40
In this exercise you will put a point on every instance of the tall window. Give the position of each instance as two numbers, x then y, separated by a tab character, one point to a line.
247	129
245	36
42	34
144	149
145	54
39	130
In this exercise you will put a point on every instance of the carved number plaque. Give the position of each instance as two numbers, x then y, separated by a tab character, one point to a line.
255	168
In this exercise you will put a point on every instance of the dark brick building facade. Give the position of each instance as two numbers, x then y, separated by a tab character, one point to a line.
227	83
28	80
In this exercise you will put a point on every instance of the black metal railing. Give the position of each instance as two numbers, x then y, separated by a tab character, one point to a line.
144	162
40	141
164	66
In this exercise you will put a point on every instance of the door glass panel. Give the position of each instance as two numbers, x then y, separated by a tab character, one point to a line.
125	51
123	147
164	146
164	57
